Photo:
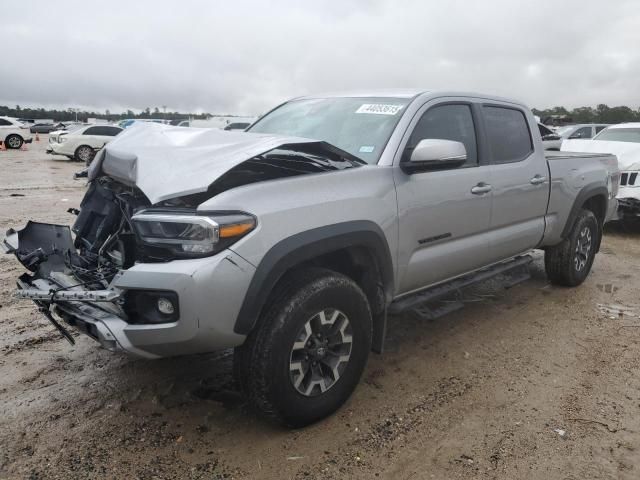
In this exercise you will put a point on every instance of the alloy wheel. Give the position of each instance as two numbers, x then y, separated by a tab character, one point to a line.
321	352
583	249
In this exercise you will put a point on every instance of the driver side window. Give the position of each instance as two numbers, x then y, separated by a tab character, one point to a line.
584	132
448	122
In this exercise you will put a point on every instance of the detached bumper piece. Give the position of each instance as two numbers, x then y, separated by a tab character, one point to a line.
70	305
78	295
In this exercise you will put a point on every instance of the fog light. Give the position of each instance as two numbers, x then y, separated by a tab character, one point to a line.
151	306
165	306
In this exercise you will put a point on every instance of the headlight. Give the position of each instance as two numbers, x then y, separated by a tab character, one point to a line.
61	139
189	234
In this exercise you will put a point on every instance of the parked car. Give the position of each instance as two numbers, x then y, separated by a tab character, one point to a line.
584	131
622	140
291	242
550	139
237	126
82	143
14	133
46	127
130	121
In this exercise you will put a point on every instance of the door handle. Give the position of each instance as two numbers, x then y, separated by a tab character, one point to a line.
481	188
537	180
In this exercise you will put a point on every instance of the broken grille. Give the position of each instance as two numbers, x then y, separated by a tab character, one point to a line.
628	178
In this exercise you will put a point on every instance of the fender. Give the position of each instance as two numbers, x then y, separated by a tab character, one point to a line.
305	246
594	189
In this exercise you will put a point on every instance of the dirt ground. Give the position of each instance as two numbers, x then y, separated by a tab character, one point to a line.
534	382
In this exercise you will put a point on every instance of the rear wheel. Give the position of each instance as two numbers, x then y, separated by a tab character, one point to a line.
14	141
84	154
307	355
569	262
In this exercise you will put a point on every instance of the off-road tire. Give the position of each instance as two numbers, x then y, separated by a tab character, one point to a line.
13	141
85	154
561	261
262	363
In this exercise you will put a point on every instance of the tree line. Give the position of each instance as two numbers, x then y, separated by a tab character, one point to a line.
600	114
82	116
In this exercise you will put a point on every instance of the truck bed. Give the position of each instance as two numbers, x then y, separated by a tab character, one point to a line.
553	155
573	174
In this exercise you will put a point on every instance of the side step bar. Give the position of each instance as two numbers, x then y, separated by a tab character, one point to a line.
439	291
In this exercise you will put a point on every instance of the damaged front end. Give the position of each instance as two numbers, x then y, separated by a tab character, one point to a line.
142	276
71	274
629	194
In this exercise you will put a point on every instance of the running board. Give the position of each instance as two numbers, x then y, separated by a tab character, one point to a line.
439	291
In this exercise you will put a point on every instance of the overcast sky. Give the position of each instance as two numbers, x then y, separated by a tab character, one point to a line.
243	57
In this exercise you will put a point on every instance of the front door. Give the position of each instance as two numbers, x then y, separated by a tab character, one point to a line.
443	215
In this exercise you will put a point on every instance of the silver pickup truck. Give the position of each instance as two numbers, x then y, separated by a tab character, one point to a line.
292	242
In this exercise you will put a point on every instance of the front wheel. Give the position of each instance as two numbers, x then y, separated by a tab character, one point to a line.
569	262
305	358
14	141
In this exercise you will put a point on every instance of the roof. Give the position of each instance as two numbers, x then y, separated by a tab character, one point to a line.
378	92
410	93
626	125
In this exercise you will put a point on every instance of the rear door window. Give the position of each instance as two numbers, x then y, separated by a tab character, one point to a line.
584	132
111	131
508	134
92	131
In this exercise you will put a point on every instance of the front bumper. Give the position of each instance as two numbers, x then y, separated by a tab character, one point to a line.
55	149
629	197
210	293
628	207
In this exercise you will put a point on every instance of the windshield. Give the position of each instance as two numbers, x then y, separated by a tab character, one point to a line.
619	135
360	126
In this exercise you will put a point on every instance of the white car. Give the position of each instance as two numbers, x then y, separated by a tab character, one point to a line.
584	131
622	140
82	143
14	133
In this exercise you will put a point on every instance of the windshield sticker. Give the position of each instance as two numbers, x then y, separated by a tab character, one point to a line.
366	149
379	108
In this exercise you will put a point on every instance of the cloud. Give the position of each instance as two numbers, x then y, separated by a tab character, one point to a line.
244	57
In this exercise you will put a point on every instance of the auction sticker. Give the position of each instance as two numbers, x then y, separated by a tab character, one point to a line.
379	108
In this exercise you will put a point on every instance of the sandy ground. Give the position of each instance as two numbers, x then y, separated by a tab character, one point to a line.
533	382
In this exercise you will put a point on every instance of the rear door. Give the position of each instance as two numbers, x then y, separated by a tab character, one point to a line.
92	137
443	225
519	176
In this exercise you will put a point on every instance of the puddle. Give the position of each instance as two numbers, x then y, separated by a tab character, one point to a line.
615	310
607	287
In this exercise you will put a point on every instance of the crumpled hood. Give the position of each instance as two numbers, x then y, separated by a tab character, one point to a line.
628	153
166	162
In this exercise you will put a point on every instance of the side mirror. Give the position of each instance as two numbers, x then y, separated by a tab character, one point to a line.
551	136
435	154
575	135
